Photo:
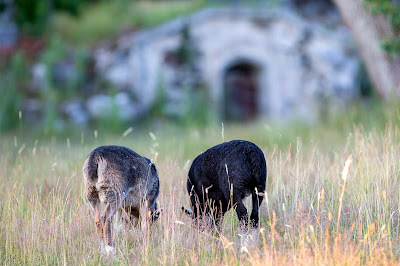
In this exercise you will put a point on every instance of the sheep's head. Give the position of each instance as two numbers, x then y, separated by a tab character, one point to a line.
156	214
187	211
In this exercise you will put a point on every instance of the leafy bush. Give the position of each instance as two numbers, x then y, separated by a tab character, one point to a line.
33	16
60	84
13	80
391	11
108	18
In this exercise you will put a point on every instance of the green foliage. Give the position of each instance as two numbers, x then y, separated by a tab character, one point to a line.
70	6
157	110
198	109
13	81
186	50
108	18
56	53
65	74
366	89
391	12
387	8
111	121
391	46
195	110
33	16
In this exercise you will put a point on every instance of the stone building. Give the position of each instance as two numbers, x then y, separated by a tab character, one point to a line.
250	62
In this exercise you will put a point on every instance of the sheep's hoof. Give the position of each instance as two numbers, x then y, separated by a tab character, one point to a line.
108	250
248	238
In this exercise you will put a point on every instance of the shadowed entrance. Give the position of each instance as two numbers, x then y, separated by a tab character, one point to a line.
241	92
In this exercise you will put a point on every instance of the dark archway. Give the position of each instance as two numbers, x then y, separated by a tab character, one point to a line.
241	89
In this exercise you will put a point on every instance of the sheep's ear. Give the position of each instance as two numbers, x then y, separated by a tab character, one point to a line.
153	168
187	211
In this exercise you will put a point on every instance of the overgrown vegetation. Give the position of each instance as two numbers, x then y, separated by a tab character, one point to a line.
45	219
68	30
60	83
99	21
391	11
33	16
312	214
14	75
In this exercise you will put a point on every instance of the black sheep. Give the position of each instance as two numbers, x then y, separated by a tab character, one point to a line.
222	176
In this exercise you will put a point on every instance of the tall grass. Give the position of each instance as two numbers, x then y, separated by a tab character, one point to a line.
308	216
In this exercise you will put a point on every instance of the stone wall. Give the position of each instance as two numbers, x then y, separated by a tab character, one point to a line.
299	65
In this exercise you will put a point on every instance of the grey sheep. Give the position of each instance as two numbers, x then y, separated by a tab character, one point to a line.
116	177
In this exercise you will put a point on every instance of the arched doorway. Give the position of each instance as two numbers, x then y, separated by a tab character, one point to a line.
241	91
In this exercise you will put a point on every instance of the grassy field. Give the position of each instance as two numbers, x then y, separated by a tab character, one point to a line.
106	19
45	218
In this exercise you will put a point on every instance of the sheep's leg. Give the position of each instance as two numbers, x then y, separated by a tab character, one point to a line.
93	198
254	214
134	215
108	212
145	215
195	205
106	220
213	210
124	218
220	211
241	213
99	225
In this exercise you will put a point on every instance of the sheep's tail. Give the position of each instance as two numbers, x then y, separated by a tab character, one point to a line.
258	166
90	167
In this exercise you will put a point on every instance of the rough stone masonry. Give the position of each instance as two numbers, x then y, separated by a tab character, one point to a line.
251	63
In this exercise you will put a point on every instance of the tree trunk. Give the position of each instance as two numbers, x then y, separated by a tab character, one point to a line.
368	31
